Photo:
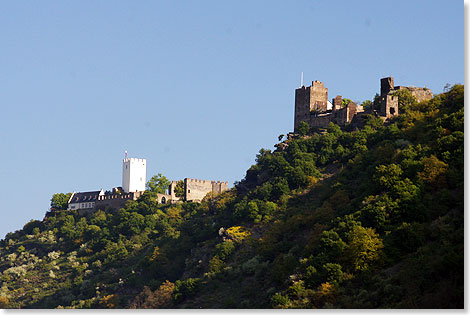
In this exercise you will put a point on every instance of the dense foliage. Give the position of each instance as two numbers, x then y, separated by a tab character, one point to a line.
370	218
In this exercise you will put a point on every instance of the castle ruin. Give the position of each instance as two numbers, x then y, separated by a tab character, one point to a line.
312	105
133	186
196	189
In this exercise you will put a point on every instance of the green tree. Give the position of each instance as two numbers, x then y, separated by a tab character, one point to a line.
334	129
303	128
334	274
367	104
179	190
158	184
406	100
388	176
60	201
224	249
364	247
345	102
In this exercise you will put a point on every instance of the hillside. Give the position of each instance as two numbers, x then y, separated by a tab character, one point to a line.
365	218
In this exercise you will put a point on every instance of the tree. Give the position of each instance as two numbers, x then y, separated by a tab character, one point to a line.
406	100
303	128
433	169
60	201
345	102
364	247
158	184
367	104
160	298
4	302
179	190
387	176
334	129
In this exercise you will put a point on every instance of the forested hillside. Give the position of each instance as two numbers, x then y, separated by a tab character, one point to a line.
364	218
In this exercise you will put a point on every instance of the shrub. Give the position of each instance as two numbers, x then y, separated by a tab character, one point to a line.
215	264
280	301
186	288
224	249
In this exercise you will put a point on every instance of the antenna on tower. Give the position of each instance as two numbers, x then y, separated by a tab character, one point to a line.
301	79
125	154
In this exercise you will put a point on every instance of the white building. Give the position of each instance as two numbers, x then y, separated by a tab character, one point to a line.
84	200
134	174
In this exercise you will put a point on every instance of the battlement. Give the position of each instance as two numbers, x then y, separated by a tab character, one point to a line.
116	196
134	160
134	173
115	200
197	189
318	84
203	181
311	104
309	99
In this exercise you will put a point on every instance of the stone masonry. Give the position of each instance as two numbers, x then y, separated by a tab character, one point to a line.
311	104
389	102
310	99
196	189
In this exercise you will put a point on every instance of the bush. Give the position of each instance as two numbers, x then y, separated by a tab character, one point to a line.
215	265
186	288
224	249
303	128
280	301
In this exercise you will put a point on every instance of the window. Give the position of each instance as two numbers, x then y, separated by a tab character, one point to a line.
163	200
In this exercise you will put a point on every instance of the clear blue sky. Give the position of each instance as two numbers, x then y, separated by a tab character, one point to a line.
195	87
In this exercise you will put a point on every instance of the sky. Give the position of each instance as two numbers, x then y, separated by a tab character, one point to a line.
195	87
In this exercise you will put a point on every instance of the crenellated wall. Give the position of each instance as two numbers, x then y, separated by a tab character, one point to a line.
197	189
308	99
116	201
310	104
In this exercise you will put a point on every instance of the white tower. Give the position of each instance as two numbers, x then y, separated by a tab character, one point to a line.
134	174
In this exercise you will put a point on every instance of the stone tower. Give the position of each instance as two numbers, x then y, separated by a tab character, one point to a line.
308	99
386	85
389	106
337	103
388	102
134	173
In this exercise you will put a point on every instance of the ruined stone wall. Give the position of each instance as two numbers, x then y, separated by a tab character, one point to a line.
171	189
341	116
197	189
389	106
302	106
337	103
421	94
318	97
314	97
386	85
352	110
163	198
320	121
218	187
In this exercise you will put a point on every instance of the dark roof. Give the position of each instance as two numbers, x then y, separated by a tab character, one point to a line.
85	196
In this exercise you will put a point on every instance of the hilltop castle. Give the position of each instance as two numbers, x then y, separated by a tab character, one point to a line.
134	172
312	105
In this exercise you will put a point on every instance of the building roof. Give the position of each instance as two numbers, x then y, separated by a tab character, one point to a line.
87	196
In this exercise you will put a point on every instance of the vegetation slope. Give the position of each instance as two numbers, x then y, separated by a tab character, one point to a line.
365	218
